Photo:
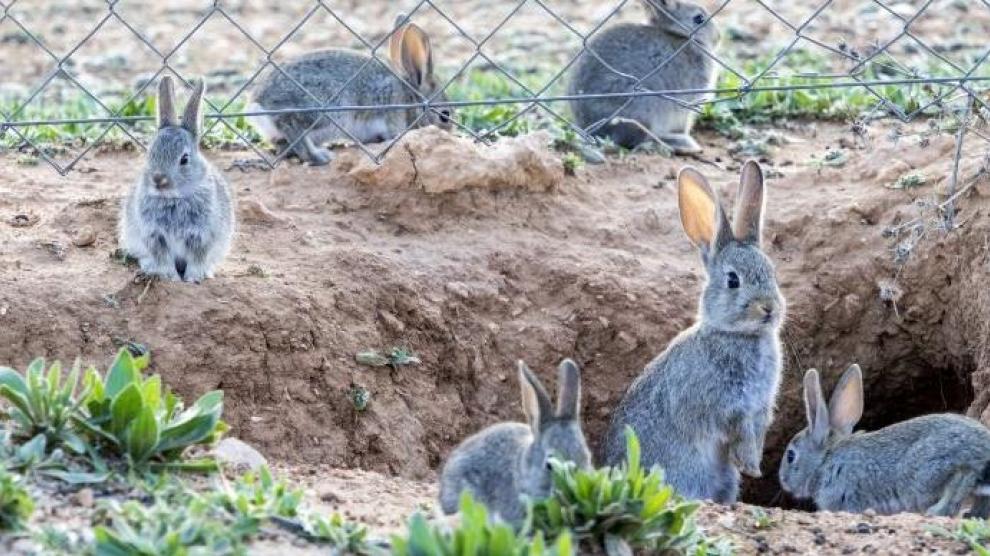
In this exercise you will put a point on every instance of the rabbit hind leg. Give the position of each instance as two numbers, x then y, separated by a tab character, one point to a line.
954	493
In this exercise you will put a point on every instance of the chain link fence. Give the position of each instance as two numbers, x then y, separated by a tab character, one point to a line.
857	61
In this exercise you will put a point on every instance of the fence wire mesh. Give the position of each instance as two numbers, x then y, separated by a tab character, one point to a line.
96	63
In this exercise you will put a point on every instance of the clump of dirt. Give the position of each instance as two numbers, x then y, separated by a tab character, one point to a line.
472	279
434	161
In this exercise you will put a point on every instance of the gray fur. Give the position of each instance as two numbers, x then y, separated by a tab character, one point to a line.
928	464
636	50
178	219
701	408
504	462
342	77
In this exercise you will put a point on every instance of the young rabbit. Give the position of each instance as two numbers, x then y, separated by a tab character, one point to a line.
623	54
702	407
506	461
927	464
340	77
178	217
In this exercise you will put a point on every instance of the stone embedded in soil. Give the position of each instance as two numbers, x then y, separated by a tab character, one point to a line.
238	454
85	237
435	161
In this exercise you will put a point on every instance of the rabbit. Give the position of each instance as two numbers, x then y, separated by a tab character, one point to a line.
507	461
927	464
340	77
621	55
178	217
702	407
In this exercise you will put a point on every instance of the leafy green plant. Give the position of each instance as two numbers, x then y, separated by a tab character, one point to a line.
257	497
975	533
16	505
618	508
346	537
475	535
138	420
43	403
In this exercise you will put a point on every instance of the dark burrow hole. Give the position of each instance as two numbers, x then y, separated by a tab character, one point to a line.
895	393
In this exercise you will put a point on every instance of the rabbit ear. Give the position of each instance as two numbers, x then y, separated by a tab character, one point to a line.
569	391
416	58
814	406
395	40
536	403
846	406
747	222
190	118
166	103
701	214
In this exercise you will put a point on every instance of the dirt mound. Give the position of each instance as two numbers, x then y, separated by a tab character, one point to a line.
434	161
471	280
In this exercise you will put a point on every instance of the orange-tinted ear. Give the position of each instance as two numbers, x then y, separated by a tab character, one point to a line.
702	216
417	55
846	406
536	402
395	40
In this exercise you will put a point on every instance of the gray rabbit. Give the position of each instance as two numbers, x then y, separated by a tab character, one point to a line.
503	462
178	217
929	464
702	407
638	51
340	77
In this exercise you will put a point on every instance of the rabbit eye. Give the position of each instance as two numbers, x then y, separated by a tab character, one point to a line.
699	19
184	160
733	280
790	455
548	466
445	116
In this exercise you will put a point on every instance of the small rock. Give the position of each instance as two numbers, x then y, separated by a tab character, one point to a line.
392	322
85	237
84	498
236	453
254	211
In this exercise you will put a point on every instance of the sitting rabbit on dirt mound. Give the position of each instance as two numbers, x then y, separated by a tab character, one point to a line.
178	218
340	77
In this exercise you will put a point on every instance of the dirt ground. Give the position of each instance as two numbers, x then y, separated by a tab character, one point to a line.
596	269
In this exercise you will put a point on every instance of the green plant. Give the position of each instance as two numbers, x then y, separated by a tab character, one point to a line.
761	519
16	505
43	403
618	508
346	537
135	419
475	535
572	162
257	497
973	532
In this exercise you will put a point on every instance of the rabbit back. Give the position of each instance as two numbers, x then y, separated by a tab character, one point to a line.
487	464
903	467
338	77
682	404
636	51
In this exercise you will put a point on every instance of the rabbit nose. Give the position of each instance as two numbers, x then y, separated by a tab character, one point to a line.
766	309
160	180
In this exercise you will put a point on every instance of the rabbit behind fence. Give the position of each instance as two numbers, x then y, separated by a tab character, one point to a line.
341	77
178	217
701	408
929	464
504	462
662	54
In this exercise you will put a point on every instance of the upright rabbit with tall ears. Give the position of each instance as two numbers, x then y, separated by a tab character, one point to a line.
701	408
341	77
929	464
178	217
505	462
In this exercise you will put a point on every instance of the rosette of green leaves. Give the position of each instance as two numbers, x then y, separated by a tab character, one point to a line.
135	418
620	508
43	403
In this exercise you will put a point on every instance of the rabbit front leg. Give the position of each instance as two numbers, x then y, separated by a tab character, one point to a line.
196	264
156	259
746	450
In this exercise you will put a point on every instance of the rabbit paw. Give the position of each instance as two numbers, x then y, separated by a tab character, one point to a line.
320	157
682	143
746	461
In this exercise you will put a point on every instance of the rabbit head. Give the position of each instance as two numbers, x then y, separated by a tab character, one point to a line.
556	432
826	425
174	164
412	56
741	294
681	18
